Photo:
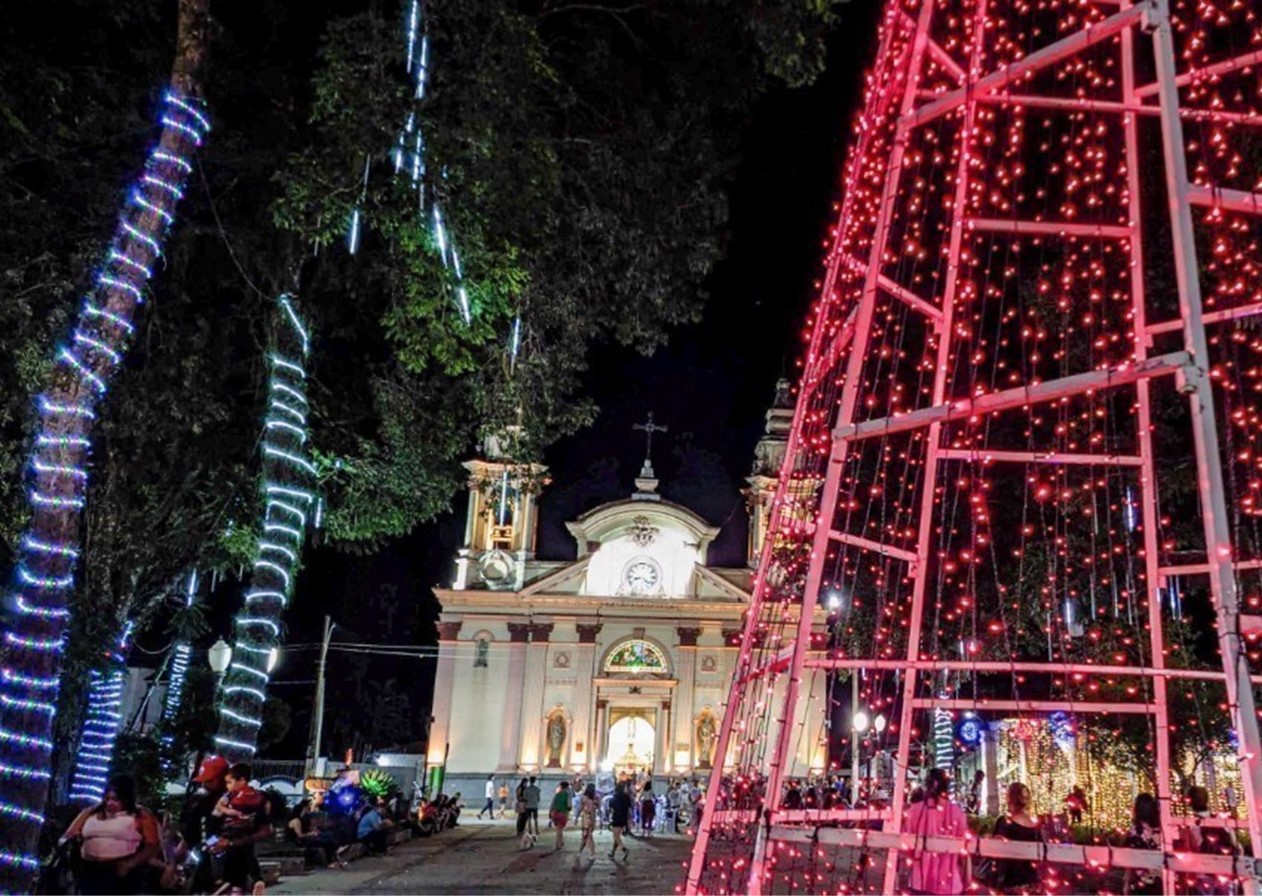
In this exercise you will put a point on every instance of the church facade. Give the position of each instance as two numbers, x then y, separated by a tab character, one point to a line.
617	660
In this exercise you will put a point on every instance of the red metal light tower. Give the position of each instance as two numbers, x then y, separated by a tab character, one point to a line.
1027	422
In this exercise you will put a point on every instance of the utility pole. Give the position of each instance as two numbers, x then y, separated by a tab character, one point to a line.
317	716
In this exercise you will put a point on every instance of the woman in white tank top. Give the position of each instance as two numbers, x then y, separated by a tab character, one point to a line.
118	837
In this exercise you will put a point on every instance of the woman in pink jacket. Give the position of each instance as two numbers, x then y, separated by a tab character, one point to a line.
937	816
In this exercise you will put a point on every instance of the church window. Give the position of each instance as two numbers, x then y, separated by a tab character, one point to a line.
481	654
636	656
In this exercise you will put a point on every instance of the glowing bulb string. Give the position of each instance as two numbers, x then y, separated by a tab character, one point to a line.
409	154
177	676
287	502
39	619
102	720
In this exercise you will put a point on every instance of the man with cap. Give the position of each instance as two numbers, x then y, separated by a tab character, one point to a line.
197	818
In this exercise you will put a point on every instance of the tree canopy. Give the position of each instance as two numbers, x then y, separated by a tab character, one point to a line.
581	152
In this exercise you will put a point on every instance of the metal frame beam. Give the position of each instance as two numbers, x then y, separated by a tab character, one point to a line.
1018	397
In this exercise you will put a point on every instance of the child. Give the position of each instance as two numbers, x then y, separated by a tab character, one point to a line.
245	821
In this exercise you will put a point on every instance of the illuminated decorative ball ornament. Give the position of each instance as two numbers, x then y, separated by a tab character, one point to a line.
969	732
38	608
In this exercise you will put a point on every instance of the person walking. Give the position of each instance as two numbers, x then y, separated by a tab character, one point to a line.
489	807
559	812
620	819
503	794
525	839
588	804
532	805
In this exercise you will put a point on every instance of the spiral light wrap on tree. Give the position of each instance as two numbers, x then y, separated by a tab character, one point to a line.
288	504
37	611
100	725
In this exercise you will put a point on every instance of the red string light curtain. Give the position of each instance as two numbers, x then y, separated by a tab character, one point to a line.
1023	483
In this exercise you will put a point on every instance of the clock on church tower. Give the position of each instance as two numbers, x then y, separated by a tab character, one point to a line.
642	575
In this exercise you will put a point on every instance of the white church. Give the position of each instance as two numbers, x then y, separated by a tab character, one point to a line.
617	660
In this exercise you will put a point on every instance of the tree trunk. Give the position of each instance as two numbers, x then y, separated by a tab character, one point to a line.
287	504
38	619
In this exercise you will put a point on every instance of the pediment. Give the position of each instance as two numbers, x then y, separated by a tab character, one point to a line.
638	520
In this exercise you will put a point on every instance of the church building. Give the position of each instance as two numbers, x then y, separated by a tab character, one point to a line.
618	659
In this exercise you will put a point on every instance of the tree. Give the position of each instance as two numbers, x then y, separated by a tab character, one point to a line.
35	628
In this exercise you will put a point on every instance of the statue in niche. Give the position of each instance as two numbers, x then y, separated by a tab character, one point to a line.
707	734
556	739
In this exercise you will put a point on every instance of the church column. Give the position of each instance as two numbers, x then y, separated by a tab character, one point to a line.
532	701
602	733
585	672
516	677
685	698
665	761
659	737
440	708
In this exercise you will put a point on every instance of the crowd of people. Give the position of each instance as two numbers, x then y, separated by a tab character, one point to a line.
934	812
120	847
627	807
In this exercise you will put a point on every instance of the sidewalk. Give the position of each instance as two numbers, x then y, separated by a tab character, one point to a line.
363	872
483	858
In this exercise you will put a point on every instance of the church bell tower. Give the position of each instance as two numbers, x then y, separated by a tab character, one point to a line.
764	478
502	521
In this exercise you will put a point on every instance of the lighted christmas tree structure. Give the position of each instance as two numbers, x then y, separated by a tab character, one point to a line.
1024	458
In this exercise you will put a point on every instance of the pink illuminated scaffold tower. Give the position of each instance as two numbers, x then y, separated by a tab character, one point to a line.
1023	484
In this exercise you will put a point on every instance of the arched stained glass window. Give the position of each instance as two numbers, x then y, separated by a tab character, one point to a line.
636	656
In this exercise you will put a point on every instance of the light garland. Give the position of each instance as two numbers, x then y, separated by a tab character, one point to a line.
991	391
101	725
409	154
39	613
177	675
287	499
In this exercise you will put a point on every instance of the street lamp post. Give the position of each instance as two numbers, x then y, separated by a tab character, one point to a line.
858	725
317	717
220	657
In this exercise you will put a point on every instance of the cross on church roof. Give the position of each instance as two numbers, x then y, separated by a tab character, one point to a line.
648	429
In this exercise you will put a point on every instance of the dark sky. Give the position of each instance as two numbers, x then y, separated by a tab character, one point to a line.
711	386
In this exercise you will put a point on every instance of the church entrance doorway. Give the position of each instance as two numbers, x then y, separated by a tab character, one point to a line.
631	741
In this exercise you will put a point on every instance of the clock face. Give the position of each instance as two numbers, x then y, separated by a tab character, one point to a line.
642	576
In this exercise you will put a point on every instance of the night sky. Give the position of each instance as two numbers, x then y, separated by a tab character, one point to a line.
711	386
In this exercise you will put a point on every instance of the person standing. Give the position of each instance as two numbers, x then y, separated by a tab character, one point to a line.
620	819
1145	834
503	794
532	805
1018	826
587	806
648	809
1207	834
198	821
118	839
489	791
936	816
247	821
559	812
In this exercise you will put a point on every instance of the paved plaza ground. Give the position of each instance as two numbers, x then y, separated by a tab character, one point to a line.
480	857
